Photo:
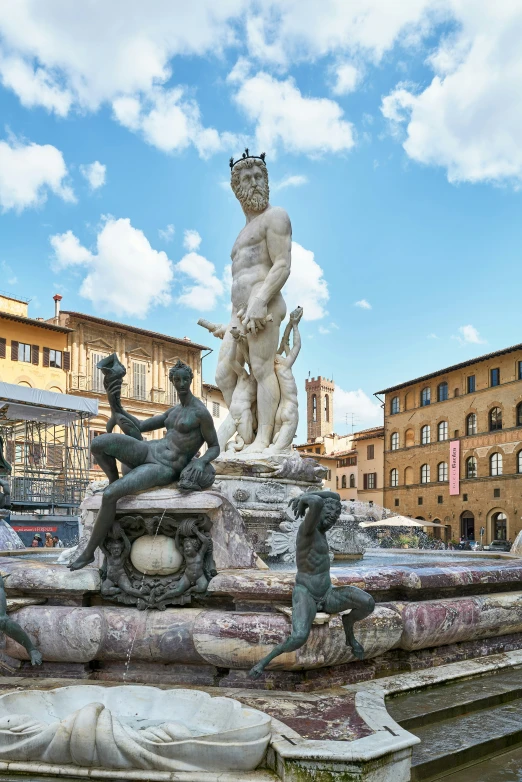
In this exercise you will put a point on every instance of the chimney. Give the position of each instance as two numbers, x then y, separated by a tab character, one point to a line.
57	299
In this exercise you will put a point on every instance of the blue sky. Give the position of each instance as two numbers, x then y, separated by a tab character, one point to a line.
392	138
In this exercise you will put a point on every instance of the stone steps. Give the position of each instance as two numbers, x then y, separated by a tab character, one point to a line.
459	723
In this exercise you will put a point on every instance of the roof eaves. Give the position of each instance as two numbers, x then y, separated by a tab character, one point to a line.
454	367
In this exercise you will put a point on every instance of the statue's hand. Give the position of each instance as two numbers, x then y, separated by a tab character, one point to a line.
255	316
219	331
193	469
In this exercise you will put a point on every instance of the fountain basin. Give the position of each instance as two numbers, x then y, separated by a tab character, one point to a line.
132	727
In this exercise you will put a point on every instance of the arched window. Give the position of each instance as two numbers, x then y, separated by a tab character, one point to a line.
343	482
326	407
471	467
394	405
425	473
471	424
442	431
394	478
314	408
519	462
495	464
425	434
425	397
442	392
495	419
409	437
408	476
519	415
442	471
394	441
352	480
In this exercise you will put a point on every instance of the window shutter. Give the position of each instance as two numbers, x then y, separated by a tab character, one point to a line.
45	357
365	480
14	350
66	360
35	355
374	480
2	347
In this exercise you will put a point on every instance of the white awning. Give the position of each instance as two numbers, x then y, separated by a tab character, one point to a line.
34	404
400	521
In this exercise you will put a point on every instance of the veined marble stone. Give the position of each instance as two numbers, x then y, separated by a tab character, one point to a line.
132	727
9	540
229	536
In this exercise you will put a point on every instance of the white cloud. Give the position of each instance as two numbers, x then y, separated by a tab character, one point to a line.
170	121
34	86
363	304
191	240
100	51
366	412
285	118
432	336
346	78
28	172
290	31
167	233
125	275
68	251
94	173
205	288
467	120
295	180
306	286
469	335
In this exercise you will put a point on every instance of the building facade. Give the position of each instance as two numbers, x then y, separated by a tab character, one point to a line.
369	445
453	446
33	352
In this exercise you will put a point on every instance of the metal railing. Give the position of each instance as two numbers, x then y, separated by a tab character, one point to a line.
47	491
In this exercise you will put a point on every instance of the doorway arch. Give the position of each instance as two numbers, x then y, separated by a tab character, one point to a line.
499	526
467	525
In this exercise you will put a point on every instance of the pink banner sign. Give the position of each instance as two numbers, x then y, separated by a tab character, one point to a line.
454	474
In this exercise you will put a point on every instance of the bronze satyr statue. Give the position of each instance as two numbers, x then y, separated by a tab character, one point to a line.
149	463
14	631
313	590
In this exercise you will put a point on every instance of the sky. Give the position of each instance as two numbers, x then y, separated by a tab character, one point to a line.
392	138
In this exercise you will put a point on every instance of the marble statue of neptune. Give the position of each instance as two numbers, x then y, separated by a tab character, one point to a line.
260	268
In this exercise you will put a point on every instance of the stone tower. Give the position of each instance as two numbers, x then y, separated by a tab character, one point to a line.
319	407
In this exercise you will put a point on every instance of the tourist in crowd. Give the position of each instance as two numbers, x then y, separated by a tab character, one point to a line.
57	543
48	540
36	541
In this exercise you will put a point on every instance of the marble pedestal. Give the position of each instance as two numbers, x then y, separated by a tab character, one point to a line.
261	488
229	536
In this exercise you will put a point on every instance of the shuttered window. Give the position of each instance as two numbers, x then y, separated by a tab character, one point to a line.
96	374
35	355
45	357
2	347
22	352
66	360
370	480
139	380
14	350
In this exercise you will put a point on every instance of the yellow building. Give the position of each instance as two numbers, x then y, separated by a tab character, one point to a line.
33	352
473	409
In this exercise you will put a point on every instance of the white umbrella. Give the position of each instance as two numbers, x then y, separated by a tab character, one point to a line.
400	521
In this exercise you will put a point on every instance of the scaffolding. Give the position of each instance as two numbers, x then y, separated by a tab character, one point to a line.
46	441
